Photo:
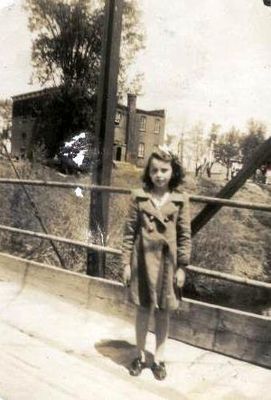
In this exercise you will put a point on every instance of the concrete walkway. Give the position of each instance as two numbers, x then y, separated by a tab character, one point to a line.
53	349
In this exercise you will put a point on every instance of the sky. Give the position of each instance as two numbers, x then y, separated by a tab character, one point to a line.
205	61
5	3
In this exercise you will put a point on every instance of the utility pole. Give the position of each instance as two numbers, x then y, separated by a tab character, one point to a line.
105	124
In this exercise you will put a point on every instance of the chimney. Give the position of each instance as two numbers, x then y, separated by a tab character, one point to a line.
131	102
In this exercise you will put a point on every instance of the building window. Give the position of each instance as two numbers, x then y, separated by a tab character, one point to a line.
118	118
23	136
157	126
141	150
142	126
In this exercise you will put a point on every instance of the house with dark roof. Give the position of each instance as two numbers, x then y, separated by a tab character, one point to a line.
137	132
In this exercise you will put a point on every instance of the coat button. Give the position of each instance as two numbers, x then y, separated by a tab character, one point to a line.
166	219
151	218
150	230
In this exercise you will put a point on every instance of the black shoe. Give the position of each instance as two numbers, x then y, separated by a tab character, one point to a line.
136	367
159	370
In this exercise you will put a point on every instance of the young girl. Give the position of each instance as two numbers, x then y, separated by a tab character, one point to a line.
156	250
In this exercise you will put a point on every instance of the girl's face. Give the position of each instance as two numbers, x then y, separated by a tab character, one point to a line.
160	173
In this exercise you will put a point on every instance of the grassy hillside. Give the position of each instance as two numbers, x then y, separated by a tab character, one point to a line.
234	241
63	213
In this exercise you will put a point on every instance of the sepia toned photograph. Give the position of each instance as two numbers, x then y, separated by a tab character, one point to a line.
135	192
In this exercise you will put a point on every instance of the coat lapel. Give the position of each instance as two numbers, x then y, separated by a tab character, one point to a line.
168	208
172	204
147	205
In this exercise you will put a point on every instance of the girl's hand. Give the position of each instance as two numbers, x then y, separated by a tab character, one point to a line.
180	278
126	276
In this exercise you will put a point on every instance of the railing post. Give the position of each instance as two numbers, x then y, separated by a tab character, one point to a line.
105	123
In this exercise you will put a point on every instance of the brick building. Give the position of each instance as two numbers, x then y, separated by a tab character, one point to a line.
137	132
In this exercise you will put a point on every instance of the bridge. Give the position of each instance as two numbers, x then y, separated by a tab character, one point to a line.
69	336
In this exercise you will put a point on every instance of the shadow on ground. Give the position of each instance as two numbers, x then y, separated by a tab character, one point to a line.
122	353
119	351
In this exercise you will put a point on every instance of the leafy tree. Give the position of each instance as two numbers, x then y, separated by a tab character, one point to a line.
67	47
227	148
256	136
65	111
66	53
236	146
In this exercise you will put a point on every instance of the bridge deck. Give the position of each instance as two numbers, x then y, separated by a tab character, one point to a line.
53	349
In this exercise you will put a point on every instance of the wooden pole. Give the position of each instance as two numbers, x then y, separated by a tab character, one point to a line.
262	153
105	124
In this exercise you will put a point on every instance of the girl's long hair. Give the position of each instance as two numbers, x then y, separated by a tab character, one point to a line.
177	170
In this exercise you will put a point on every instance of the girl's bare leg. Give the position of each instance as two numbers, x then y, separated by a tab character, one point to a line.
161	332
142	326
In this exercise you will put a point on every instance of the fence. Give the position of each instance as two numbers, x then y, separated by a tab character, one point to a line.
118	190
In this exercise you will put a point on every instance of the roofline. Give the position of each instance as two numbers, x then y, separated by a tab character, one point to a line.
155	113
34	94
43	92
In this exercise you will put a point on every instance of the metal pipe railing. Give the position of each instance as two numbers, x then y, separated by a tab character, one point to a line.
65	185
60	239
106	249
120	190
231	203
229	277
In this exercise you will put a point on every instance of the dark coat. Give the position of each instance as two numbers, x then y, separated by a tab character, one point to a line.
156	243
